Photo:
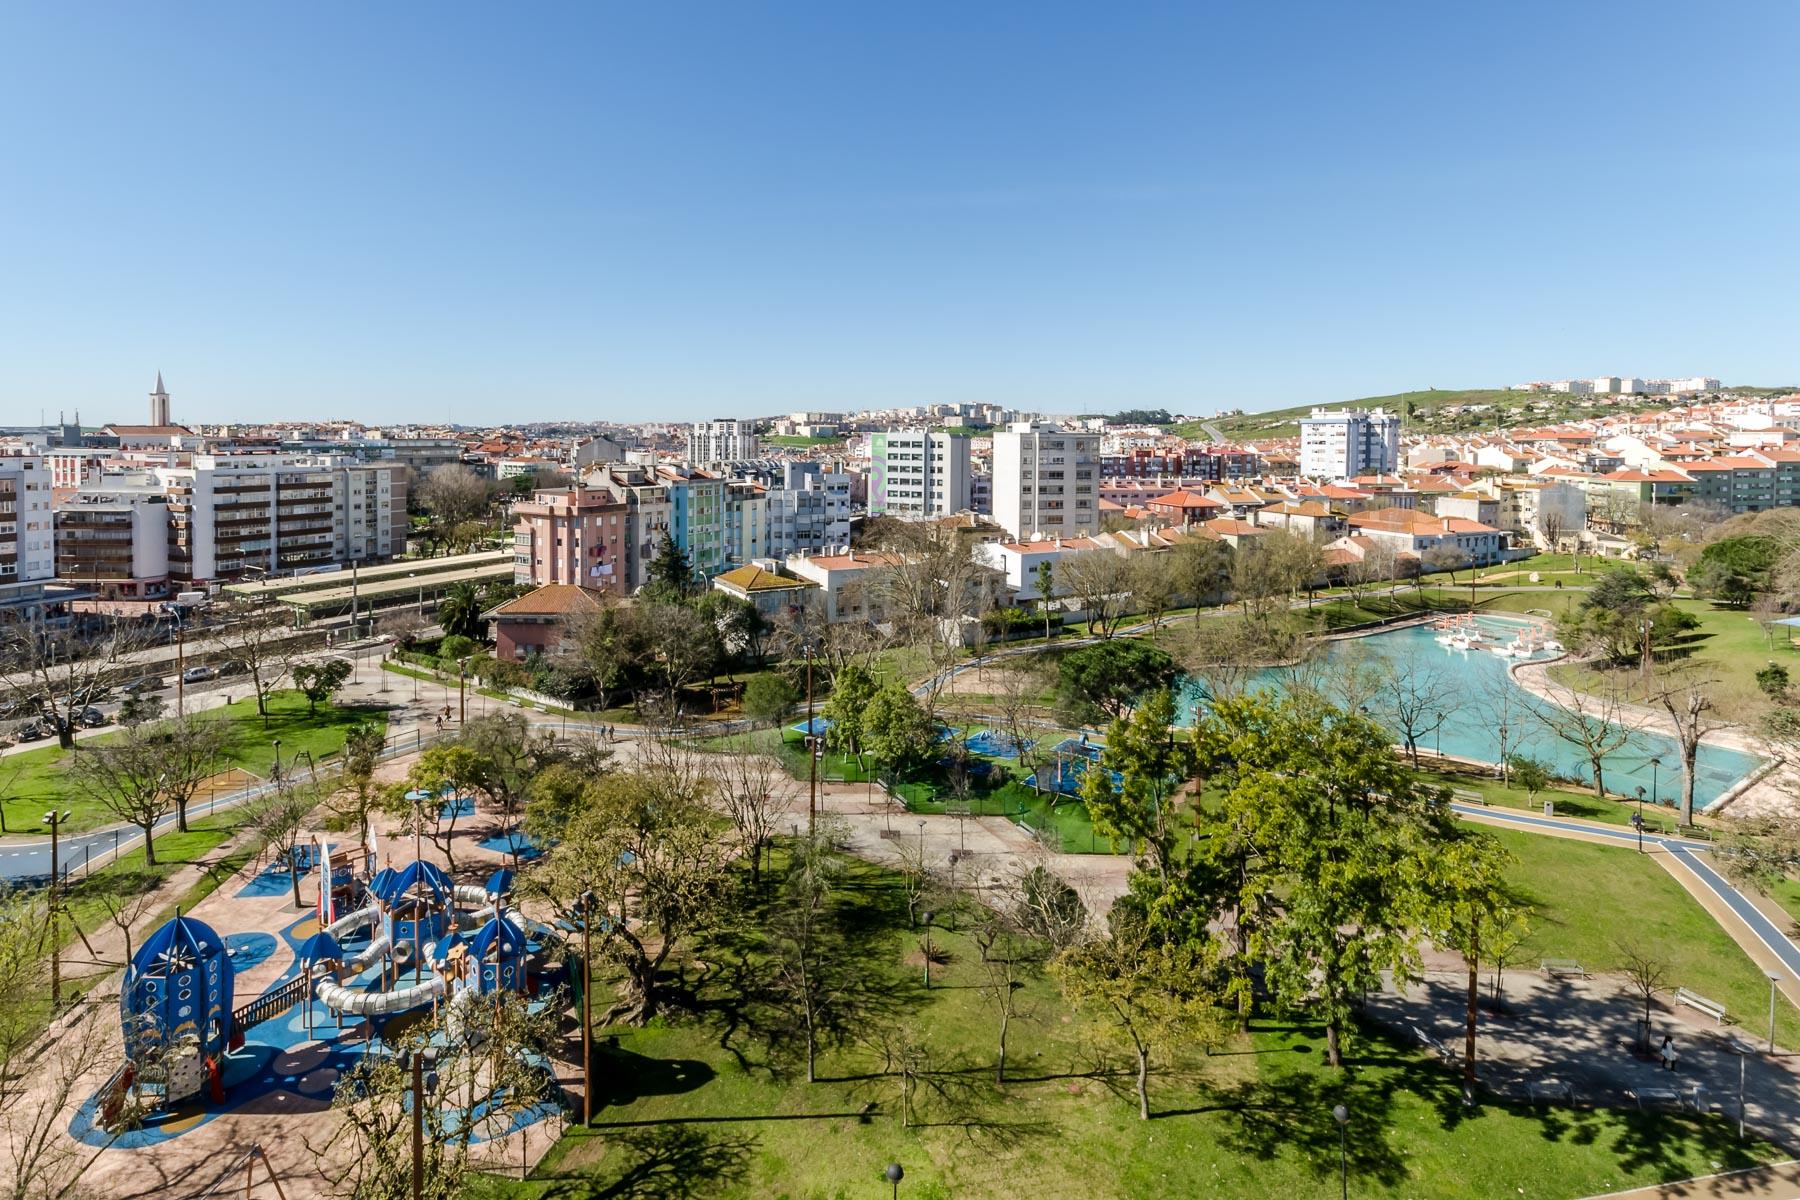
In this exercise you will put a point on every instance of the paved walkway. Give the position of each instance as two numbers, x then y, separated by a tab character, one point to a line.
1778	1182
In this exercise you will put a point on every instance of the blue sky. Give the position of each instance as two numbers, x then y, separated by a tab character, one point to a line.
487	212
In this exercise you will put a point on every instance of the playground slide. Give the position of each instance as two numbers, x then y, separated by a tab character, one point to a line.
338	998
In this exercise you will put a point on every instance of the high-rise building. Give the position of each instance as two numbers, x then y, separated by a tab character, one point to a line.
809	512
915	474
1348	443
571	535
27	534
112	535
1046	481
722	441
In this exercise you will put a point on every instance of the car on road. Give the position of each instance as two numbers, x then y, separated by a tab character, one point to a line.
147	683
31	731
199	674
235	666
92	718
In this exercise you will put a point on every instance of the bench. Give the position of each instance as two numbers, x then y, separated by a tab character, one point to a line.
1688	1097
1468	797
1562	968
1551	1089
1701	1004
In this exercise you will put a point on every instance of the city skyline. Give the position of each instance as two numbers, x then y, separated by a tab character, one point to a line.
721	213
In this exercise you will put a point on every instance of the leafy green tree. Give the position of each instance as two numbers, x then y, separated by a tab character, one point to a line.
1104	681
1530	774
1617	613
896	729
671	568
1201	569
1773	681
850	696
321	679
1472	909
1735	570
1152	763
459	612
769	698
1043	581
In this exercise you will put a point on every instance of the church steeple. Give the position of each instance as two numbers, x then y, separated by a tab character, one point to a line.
159	403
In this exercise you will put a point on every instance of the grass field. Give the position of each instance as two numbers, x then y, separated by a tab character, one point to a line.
39	780
1729	642
711	1105
1594	898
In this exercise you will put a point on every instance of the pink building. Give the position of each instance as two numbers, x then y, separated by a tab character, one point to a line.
570	535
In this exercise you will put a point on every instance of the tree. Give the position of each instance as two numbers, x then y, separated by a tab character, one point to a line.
1596	724
1772	681
1151	994
1645	972
1152	763
459	612
645	842
755	791
896	729
850	696
321	679
142	708
260	638
279	816
1201	570
1622	619
1043	581
1529	774
57	675
768	699
453	494
1685	692
145	770
1472	907
670	571
1046	908
1009	959
363	744
1443	558
1293	562
1152	585
1411	700
1505	710
1100	582
40	1160
1103	681
190	747
812	972
683	649
1733	570
442	772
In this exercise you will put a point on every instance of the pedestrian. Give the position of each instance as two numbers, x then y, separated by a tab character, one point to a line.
1668	1052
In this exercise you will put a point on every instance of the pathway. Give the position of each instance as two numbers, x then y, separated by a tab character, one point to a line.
1778	1182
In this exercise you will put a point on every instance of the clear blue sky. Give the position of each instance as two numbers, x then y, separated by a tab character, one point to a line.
495	211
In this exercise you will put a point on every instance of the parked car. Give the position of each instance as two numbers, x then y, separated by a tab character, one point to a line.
236	666
199	674
148	683
31	731
92	718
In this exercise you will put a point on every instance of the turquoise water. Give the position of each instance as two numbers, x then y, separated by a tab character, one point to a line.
1468	730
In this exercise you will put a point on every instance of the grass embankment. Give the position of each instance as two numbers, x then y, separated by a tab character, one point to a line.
1594	899
703	1106
1729	646
43	779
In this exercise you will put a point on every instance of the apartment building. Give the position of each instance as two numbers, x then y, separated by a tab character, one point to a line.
1412	532
916	474
1349	442
1214	464
648	514
1046	481
27	535
808	511
725	440
229	514
112	536
572	535
1752	482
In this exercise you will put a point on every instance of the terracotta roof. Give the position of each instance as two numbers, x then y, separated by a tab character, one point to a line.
551	600
1182	499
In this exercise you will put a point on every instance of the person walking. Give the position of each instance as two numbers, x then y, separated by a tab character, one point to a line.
1668	1052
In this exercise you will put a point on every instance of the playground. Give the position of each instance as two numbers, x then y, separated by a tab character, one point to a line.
237	1021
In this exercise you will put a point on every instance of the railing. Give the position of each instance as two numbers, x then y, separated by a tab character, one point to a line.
272	1004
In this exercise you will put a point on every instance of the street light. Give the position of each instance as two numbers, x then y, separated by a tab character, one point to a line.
1655	763
1439	730
587	1020
1743	1050
275	771
895	1173
55	821
1341	1115
1773	980
1637	818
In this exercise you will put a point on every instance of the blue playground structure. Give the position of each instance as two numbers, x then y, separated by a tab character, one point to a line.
991	743
1071	760
176	1010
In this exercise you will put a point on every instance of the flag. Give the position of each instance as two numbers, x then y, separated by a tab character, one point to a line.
370	844
326	912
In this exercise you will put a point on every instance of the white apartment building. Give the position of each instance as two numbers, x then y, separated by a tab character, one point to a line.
915	474
27	534
809	512
1046	481
1348	443
722	441
112	535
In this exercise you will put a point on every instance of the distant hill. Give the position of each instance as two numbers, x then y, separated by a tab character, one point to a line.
1424	412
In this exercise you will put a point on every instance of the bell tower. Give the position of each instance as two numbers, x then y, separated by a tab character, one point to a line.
159	403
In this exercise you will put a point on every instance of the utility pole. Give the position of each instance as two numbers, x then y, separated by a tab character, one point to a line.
418	1129
462	691
180	665
587	1019
55	820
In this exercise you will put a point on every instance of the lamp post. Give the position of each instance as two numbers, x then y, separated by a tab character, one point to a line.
587	1020
462	691
1439	730
55	821
1743	1050
927	949
1655	765
895	1173
275	771
1637	818
1341	1115
1773	980
415	575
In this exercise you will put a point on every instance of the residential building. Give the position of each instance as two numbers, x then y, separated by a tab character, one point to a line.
1348	443
724	440
916	474
771	592
1046	481
27	535
1409	531
573	535
844	582
1751	482
1182	507
1018	563
540	622
809	511
112	536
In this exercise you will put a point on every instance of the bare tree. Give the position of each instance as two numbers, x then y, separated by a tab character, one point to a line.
1595	724
1685	692
125	776
191	747
56	675
41	1161
1506	711
1100	581
755	791
1152	584
280	817
1411	700
1646	973
261	639
453	494
1201	570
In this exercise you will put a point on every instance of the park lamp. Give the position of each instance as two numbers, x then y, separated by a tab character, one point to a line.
894	1174
55	818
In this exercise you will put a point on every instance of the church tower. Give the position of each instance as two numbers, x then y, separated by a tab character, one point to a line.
159	403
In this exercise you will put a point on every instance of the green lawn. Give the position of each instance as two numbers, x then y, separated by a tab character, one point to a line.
1728	640
1591	898
701	1106
43	781
1569	804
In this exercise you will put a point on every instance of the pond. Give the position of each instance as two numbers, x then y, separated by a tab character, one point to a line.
1470	674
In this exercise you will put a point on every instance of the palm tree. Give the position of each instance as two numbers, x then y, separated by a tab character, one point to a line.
459	612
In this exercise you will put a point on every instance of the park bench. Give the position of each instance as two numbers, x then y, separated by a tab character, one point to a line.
1701	1004
1562	968
1432	1044
1688	1097
1551	1089
1468	797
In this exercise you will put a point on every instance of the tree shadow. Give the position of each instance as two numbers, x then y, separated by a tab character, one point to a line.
674	1162
622	1077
